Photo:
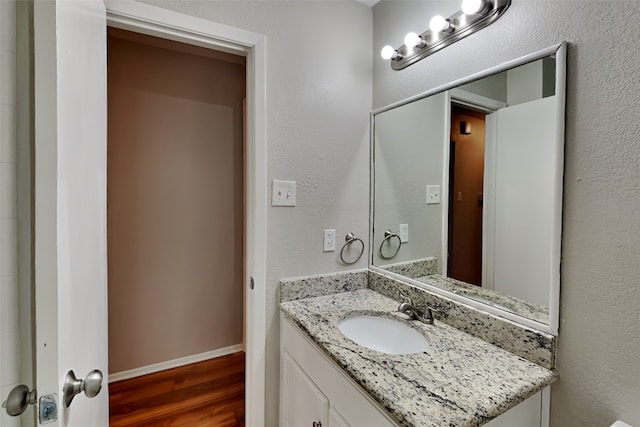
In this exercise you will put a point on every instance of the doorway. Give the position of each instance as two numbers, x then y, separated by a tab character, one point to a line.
466	182
176	226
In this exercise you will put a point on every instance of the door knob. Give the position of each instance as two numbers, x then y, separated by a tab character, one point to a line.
90	385
19	399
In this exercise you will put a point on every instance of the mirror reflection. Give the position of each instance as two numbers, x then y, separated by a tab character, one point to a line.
465	189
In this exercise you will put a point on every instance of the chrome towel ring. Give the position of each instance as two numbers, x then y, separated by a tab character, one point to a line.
349	239
387	236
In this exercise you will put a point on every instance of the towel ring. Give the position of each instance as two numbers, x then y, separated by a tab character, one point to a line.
349	239
387	236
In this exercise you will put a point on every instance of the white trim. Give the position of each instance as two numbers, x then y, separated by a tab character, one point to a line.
446	152
489	214
545	406
175	363
487	105
470	99
555	255
151	20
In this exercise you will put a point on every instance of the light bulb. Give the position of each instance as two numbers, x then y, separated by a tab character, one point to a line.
469	7
388	52
413	40
438	23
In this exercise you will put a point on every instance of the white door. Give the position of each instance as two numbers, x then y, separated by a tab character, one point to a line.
520	179
70	203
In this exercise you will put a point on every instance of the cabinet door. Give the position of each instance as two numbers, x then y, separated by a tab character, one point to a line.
336	419
304	403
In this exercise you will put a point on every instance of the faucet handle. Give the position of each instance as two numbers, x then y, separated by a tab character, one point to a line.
406	298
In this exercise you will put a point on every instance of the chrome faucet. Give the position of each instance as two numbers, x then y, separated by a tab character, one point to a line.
407	307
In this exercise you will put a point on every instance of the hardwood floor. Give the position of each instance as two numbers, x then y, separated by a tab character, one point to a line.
209	393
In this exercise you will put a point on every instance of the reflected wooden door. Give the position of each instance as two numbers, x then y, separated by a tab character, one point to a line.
465	196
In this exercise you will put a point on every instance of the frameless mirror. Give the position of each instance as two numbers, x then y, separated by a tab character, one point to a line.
467	188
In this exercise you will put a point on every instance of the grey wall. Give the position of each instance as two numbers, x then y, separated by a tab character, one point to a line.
600	302
318	102
409	155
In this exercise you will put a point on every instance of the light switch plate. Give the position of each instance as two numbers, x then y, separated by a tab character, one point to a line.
433	194
283	193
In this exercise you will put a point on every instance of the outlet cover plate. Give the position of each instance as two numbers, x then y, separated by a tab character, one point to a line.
403	232
329	243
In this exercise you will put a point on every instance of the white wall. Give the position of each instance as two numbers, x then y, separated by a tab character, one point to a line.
318	103
599	335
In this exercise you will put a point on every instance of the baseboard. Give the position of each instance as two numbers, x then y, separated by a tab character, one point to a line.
175	363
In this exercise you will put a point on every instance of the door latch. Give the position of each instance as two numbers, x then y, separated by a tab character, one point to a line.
48	409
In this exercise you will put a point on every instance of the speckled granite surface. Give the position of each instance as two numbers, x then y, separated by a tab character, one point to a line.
323	284
488	296
414	269
533	345
459	381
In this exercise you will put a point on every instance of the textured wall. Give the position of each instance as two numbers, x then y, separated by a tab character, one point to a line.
318	103
600	302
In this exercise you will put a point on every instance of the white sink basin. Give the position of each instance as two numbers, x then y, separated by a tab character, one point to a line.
383	334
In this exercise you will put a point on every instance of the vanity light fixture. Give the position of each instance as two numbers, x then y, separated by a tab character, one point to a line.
442	32
389	53
470	7
414	40
438	24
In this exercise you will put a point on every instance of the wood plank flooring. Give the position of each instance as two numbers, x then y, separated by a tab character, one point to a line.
209	393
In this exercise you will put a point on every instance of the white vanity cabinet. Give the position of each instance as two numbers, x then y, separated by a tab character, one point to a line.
533	412
305	404
314	392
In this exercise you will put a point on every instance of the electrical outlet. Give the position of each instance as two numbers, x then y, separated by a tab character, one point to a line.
329	240
283	193
433	194
403	232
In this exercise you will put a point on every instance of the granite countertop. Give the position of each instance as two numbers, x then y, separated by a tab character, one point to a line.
497	299
459	381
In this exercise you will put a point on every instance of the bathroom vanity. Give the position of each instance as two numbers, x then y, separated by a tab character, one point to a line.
459	380
484	252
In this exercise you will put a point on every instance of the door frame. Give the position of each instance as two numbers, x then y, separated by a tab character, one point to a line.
470	100
167	24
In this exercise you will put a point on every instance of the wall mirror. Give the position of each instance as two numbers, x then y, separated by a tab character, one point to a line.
467	188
